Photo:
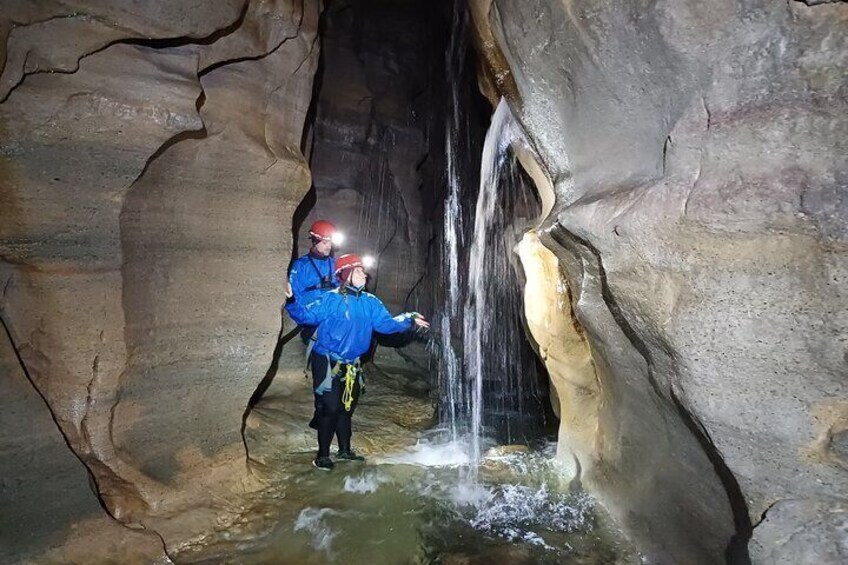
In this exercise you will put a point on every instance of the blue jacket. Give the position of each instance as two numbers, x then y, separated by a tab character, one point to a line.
346	320
307	274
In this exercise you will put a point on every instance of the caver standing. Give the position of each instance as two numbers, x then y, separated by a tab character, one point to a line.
346	318
313	274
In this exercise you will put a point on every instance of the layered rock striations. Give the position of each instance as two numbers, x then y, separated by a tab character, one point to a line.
697	153
150	165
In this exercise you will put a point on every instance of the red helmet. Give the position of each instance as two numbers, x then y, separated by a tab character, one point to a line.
346	264
322	230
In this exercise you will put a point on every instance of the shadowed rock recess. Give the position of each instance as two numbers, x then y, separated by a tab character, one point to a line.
686	287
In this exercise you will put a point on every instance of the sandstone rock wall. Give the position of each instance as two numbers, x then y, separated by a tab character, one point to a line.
697	152
147	182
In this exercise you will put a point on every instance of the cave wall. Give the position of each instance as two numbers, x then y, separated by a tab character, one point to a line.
382	72
149	169
697	154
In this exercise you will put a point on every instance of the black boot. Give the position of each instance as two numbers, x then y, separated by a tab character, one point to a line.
323	464
349	455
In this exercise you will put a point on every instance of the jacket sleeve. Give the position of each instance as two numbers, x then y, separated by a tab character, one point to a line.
298	279
383	321
310	314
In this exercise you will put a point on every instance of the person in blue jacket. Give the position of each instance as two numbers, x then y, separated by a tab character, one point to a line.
346	318
313	274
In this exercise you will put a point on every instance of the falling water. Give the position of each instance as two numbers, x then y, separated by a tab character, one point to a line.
479	314
449	369
487	369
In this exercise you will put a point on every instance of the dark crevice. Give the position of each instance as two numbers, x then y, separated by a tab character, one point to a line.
165	43
265	383
312	111
162	541
308	55
311	45
736	552
7	284
182	136
737	549
170	142
299	216
581	248
764	514
666	145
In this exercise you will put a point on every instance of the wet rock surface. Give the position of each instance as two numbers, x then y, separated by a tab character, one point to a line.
697	155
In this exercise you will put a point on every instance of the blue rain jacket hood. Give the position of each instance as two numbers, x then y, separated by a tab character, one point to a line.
346	321
312	276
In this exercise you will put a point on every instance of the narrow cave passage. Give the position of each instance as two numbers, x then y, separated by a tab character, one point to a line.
395	147
624	222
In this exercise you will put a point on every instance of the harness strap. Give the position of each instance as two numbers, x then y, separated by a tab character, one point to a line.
318	271
313	339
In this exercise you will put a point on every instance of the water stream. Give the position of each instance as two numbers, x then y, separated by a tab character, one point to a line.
399	512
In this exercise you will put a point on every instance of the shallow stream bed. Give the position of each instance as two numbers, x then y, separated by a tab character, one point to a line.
422	506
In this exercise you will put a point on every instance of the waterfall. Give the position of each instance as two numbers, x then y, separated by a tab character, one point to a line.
480	309
452	391
487	370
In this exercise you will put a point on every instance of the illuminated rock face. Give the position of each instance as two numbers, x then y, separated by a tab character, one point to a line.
146	194
697	156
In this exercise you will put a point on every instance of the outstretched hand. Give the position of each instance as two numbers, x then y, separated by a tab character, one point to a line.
421	322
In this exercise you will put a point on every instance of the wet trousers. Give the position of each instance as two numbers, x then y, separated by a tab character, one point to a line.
330	417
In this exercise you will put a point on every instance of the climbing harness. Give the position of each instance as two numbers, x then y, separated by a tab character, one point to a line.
349	373
348	380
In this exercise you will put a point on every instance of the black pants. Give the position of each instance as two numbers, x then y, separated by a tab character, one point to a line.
306	333
330	416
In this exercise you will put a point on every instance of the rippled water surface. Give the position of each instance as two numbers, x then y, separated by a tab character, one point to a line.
417	507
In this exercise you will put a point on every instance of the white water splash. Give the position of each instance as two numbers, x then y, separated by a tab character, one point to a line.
466	493
513	510
313	522
365	484
425	454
